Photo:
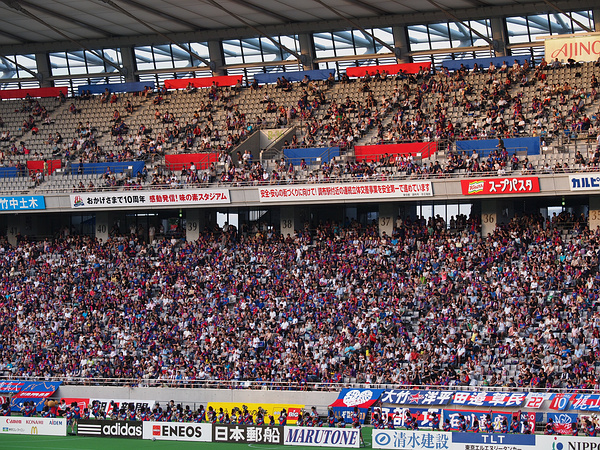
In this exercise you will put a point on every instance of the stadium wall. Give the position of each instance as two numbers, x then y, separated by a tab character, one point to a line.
320	399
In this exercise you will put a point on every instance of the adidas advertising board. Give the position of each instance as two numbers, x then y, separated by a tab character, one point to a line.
176	431
131	429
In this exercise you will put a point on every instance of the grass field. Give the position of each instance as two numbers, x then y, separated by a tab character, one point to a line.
15	441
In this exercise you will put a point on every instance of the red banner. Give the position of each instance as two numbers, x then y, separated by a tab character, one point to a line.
375	152
35	166
391	69
508	185
200	160
33	92
227	80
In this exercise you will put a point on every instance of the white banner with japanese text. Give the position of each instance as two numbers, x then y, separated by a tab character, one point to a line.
145	199
347	191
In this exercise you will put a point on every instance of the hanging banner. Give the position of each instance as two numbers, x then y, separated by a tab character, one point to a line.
22	203
408	397
508	185
348	191
506	399
146	199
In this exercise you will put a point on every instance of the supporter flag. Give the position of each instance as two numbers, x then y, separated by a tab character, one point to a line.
560	402
363	398
563	422
585	402
505	399
36	391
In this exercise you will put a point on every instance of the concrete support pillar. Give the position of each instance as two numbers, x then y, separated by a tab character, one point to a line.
195	221
13	228
489	216
307	50
102	226
42	62
596	13
494	212
289	220
128	59
594	212
215	52
499	36
401	44
388	213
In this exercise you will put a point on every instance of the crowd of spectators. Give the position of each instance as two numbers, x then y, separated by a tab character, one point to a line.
333	303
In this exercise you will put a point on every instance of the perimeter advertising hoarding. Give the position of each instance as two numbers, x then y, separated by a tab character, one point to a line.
274	409
149	199
130	429
496	186
248	434
322	437
176	431
413	440
348	191
33	425
568	443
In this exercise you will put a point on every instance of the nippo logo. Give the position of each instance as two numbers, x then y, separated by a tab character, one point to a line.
356	397
476	186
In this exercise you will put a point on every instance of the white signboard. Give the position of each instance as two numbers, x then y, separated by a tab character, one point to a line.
347	191
579	48
150	199
177	431
322	437
33	425
584	182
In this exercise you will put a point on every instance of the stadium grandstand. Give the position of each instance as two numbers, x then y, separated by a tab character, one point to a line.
270	197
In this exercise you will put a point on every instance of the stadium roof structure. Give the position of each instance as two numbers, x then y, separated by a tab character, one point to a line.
47	25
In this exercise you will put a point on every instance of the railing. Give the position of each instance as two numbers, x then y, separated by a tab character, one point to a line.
399	176
280	385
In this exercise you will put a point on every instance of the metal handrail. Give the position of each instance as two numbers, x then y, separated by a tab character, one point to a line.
281	385
346	179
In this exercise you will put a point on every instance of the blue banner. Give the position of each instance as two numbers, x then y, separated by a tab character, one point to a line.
505	399
484	147
484	63
8	172
22	203
413	397
346	413
310	155
115	87
321	74
113	167
422	415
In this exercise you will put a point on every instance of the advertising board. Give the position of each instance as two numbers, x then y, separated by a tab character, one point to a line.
176	431
33	425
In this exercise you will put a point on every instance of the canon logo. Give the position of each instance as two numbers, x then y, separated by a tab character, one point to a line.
122	430
13	421
189	431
